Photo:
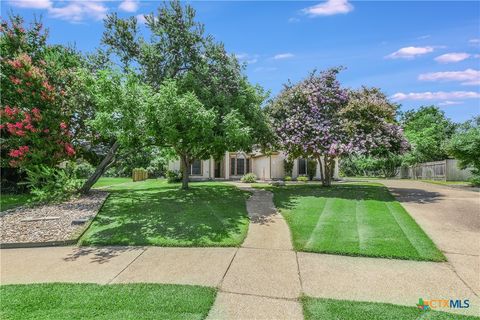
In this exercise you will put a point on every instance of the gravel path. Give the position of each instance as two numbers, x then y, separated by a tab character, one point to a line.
49	222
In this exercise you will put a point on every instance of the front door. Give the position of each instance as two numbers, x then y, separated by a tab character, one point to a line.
218	169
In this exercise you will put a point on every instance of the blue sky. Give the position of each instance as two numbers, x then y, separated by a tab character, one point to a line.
419	53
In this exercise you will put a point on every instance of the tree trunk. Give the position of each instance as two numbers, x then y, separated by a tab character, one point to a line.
101	168
185	175
322	175
327	182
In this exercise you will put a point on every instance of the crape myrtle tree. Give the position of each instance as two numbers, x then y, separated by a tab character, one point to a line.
317	118
35	77
202	73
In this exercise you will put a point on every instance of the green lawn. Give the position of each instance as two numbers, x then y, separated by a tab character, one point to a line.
359	219
9	201
106	182
346	310
153	212
119	301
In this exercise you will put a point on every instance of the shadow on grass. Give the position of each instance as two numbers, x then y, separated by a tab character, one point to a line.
285	196
204	215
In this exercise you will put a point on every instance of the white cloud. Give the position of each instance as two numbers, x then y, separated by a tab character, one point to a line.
78	10
452	57
73	11
328	8
31	4
141	18
439	95
265	69
474	41
450	103
409	52
424	37
468	76
128	5
281	56
247	58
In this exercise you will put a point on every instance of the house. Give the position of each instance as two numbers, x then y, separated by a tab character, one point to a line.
234	165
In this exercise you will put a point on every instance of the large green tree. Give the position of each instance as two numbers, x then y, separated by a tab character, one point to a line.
465	146
180	50
428	131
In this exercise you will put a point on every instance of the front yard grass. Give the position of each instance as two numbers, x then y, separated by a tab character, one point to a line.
107	182
358	219
153	212
316	308
119	301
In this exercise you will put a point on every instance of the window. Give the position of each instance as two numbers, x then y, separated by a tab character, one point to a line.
239	165
302	166
196	168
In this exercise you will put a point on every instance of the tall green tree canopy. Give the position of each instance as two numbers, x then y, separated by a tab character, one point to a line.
428	131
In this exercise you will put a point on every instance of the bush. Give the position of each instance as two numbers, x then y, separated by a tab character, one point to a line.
287	178
302	179
49	184
174	176
288	166
249	178
475	180
84	170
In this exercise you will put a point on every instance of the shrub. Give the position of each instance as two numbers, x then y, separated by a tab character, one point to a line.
249	178
49	184
288	166
84	170
287	178
311	169
475	180
302	179
174	176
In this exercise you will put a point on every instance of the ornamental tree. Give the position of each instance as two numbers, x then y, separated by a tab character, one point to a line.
315	118
34	119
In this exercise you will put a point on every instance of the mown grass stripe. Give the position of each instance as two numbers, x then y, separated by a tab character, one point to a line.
326	209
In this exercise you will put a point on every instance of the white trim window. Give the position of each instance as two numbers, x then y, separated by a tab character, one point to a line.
196	168
239	165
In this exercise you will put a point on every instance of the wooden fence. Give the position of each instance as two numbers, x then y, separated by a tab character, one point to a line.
446	170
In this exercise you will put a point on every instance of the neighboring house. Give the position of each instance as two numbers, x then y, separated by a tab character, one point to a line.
234	165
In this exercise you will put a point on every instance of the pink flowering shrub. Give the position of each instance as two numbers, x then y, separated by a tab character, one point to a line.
34	123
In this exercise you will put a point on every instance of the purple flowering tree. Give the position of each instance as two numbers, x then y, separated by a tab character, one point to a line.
318	119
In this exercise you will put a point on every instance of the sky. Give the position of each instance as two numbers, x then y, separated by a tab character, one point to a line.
417	52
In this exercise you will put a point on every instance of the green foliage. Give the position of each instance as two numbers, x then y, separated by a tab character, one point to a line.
302	178
465	146
49	184
369	166
249	178
84	170
311	169
428	131
287	178
173	176
288	166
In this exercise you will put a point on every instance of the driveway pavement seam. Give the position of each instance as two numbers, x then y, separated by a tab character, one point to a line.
228	268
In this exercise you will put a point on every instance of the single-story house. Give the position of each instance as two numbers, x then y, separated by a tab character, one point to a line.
234	165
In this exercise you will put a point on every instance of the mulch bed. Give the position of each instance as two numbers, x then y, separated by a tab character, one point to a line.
49	223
